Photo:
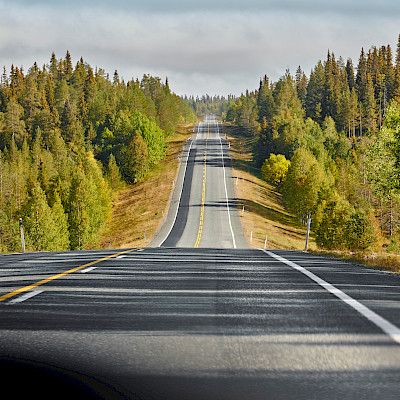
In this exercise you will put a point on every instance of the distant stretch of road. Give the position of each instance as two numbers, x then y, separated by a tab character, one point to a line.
203	212
198	316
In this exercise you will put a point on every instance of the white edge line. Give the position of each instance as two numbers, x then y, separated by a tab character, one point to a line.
383	324
226	190
180	195
25	296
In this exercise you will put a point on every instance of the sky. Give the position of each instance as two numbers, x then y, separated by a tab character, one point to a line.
202	46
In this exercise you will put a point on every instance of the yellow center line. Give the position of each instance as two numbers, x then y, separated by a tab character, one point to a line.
203	195
60	275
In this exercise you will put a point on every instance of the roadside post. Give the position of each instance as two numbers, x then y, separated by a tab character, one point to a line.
308	231
21	229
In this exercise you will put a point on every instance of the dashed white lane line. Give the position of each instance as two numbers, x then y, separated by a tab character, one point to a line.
383	324
84	271
226	190
25	296
125	255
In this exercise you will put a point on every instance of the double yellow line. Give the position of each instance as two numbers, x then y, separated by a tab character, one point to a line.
203	195
27	288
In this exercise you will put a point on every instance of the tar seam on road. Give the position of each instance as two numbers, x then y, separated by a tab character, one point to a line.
180	194
203	195
28	288
383	324
226	191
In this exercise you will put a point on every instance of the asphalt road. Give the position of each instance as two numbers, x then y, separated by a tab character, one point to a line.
197	323
204	211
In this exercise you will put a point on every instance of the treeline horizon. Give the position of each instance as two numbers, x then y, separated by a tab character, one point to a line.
330	143
69	137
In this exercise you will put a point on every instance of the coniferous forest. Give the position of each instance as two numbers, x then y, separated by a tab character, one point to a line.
330	142
69	136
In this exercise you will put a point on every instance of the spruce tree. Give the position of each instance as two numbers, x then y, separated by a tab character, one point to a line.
361	78
53	66
351	81
265	101
315	93
370	106
67	66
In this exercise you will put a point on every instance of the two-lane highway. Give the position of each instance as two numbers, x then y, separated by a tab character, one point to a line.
205	214
198	316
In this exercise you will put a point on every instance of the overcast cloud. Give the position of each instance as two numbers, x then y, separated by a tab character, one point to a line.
215	47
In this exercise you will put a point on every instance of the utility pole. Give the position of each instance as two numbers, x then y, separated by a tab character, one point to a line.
21	228
308	231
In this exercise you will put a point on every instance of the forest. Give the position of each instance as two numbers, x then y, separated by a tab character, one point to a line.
70	136
206	104
330	143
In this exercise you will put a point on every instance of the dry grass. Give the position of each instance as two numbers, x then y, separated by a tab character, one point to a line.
139	210
382	260
264	214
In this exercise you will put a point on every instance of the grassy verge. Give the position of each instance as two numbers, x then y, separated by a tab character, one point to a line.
263	215
139	210
381	259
